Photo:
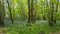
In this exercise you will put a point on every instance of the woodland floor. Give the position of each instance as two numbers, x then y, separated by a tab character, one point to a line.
2	30
37	28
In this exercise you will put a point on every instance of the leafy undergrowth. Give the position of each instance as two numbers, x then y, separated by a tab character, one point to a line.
36	28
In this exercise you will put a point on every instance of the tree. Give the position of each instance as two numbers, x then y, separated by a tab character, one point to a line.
51	15
35	11
56	10
32	11
29	9
44	11
10	11
1	13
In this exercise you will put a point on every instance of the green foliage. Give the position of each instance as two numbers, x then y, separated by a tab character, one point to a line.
20	9
22	28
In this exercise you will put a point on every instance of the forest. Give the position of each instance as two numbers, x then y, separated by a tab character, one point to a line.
29	16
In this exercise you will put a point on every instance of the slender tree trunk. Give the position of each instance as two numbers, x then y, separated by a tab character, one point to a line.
1	14
3	9
35	11
29	9
10	11
57	5
44	17
56	10
32	10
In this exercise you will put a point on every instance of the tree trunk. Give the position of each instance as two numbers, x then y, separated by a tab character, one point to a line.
32	10
56	10
10	11
1	14
35	12
29	9
51	18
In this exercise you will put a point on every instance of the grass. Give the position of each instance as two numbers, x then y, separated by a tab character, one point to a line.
36	28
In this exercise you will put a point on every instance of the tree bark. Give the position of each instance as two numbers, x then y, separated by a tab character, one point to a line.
56	9
1	14
32	10
29	9
10	11
51	18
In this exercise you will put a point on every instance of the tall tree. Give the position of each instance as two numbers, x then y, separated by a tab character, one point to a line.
56	10
35	11
29	9
51	16
32	10
3	6
1	13
44	11
10	11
